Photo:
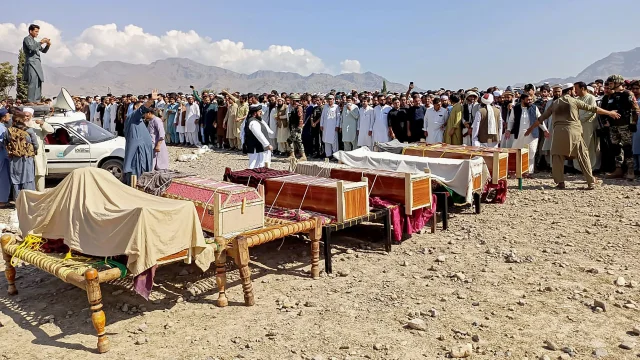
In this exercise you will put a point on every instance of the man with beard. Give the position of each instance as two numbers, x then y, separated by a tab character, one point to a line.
520	119
316	134
435	121
270	118
221	131
32	73
364	124
567	141
505	111
469	110
255	144
397	121
210	116
296	122
415	117
545	151
329	125
349	124
453	129
621	129
587	119
487	124
380	129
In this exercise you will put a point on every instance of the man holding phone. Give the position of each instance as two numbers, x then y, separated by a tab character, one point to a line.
32	72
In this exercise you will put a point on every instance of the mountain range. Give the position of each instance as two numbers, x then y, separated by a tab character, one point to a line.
177	74
625	63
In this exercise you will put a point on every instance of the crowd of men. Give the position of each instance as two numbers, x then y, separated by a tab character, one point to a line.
317	125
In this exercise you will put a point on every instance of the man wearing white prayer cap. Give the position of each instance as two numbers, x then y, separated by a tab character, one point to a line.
42	129
487	124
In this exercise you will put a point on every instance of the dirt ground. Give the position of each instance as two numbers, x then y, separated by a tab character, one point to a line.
504	281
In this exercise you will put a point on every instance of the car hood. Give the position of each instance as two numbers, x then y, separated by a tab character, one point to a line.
118	142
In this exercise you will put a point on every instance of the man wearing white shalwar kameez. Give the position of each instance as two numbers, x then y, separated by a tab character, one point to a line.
191	124
349	124
486	129
380	126
329	125
254	143
364	124
271	119
521	117
435	120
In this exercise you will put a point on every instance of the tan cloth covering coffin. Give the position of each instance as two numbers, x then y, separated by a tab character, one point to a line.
97	215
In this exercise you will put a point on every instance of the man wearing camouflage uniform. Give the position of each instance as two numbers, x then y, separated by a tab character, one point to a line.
622	129
296	122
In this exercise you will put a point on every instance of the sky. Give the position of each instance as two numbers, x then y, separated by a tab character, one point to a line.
450	44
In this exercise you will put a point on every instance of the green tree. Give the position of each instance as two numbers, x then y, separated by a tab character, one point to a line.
7	79
21	85
384	87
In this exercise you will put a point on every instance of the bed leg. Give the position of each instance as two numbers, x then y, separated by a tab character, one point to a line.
242	261
434	221
520	184
326	235
9	270
445	211
221	271
387	231
315	235
97	315
476	202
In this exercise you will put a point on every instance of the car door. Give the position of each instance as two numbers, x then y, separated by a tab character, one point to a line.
66	150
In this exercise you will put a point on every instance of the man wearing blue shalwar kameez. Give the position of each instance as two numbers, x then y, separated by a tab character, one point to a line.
138	150
5	179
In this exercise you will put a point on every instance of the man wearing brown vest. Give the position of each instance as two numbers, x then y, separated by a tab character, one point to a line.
487	124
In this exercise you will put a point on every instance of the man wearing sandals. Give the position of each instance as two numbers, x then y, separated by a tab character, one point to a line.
567	133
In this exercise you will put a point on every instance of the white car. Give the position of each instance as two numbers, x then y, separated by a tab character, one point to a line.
77	143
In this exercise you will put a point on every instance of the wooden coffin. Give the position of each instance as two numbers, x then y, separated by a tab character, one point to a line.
413	191
345	200
498	163
518	158
224	208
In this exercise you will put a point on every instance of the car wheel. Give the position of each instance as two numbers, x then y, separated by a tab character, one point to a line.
115	167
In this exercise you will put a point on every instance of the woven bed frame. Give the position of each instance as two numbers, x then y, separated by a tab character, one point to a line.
89	279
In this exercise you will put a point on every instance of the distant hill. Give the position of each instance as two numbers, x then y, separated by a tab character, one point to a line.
177	74
625	63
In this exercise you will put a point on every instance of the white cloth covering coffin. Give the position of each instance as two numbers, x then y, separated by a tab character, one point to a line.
456	174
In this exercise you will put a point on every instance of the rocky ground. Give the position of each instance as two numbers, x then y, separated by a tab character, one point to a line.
548	275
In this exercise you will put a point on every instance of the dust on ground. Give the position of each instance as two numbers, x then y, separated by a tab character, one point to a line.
517	281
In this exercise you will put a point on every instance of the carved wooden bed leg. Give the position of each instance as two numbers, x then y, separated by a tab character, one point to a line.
9	271
315	235
241	257
97	315
221	271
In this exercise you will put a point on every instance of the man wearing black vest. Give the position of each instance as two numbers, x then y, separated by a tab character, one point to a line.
255	143
520	119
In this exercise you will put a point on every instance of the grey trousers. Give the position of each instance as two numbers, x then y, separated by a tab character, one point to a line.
18	187
350	145
558	161
34	92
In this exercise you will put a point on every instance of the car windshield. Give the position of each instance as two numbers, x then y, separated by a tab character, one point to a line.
92	132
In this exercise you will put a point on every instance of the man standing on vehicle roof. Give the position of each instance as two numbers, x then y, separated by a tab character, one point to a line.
42	129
